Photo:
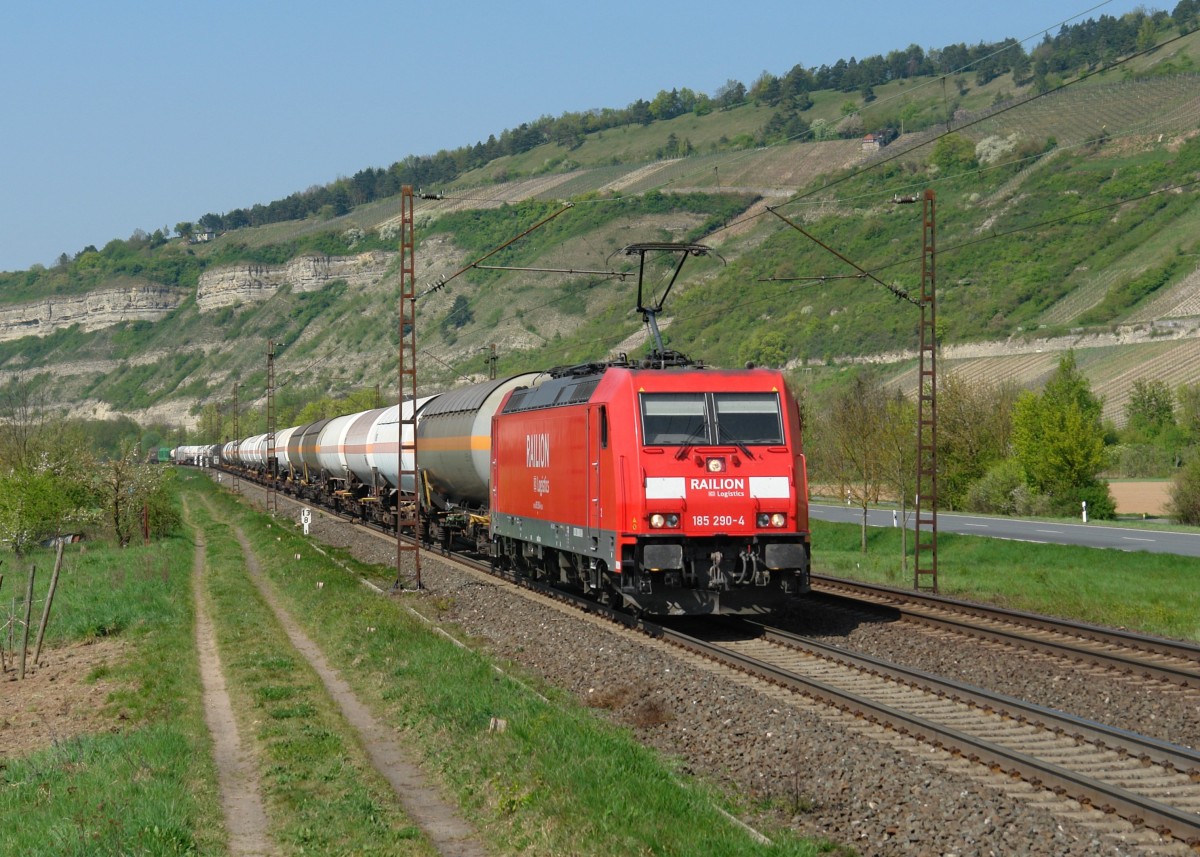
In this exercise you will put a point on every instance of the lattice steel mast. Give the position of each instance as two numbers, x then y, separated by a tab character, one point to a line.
925	558
272	453
407	389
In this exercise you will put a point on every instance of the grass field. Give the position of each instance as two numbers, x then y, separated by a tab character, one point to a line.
142	782
1148	592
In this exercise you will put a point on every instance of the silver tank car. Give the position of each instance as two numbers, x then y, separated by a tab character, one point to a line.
454	439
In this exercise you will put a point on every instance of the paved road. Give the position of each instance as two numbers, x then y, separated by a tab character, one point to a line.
1086	535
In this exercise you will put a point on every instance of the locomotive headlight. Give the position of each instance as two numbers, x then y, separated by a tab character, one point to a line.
778	519
716	465
657	521
672	521
764	520
771	519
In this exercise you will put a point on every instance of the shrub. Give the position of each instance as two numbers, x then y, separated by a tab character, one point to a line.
1003	491
1184	506
1100	504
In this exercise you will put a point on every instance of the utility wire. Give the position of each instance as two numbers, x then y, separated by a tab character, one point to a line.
441	283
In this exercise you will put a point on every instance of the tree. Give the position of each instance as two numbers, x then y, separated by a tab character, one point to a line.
855	442
1151	408
43	467
1147	35
974	428
765	348
460	314
954	153
1184	14
1188	416
28	431
730	94
765	90
666	105
132	491
39	502
1058	439
1020	66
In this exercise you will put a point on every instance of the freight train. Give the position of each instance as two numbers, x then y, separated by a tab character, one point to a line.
656	486
665	491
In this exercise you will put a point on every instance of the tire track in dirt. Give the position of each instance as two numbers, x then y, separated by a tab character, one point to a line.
237	773
450	834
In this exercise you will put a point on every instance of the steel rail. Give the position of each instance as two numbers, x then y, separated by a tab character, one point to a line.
914	606
1148	749
1138	809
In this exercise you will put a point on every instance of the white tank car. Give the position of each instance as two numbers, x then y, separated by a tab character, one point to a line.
253	452
382	447
331	447
357	438
280	451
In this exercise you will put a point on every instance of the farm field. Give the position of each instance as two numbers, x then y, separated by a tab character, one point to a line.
1141	498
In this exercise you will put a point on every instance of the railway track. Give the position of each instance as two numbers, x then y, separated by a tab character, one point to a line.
1173	661
1146	781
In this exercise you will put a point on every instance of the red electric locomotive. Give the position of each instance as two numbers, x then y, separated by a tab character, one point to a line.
664	491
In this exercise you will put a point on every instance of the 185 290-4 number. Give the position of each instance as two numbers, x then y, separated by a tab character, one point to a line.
718	520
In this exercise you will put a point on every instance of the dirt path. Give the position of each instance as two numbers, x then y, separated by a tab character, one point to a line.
237	771
450	834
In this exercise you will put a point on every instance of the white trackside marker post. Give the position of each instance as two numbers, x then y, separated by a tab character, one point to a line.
306	519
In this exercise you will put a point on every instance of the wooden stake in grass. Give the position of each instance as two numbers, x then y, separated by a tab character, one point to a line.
37	649
28	612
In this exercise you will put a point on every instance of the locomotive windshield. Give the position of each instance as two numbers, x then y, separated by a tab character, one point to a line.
673	419
749	418
715	419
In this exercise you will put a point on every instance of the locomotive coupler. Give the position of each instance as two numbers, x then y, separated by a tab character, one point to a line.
716	577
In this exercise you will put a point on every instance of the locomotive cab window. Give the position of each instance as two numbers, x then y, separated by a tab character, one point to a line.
674	419
688	419
749	418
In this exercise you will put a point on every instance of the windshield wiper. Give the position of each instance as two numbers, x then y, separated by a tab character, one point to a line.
697	432
724	432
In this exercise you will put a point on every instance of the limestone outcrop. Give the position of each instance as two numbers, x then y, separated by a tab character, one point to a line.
248	283
147	302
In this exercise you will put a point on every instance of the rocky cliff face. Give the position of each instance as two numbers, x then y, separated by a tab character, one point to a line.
147	302
246	283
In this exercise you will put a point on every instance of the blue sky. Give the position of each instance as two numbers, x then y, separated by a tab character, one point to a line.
133	115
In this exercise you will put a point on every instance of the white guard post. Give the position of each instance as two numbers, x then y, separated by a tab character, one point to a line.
1085	511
